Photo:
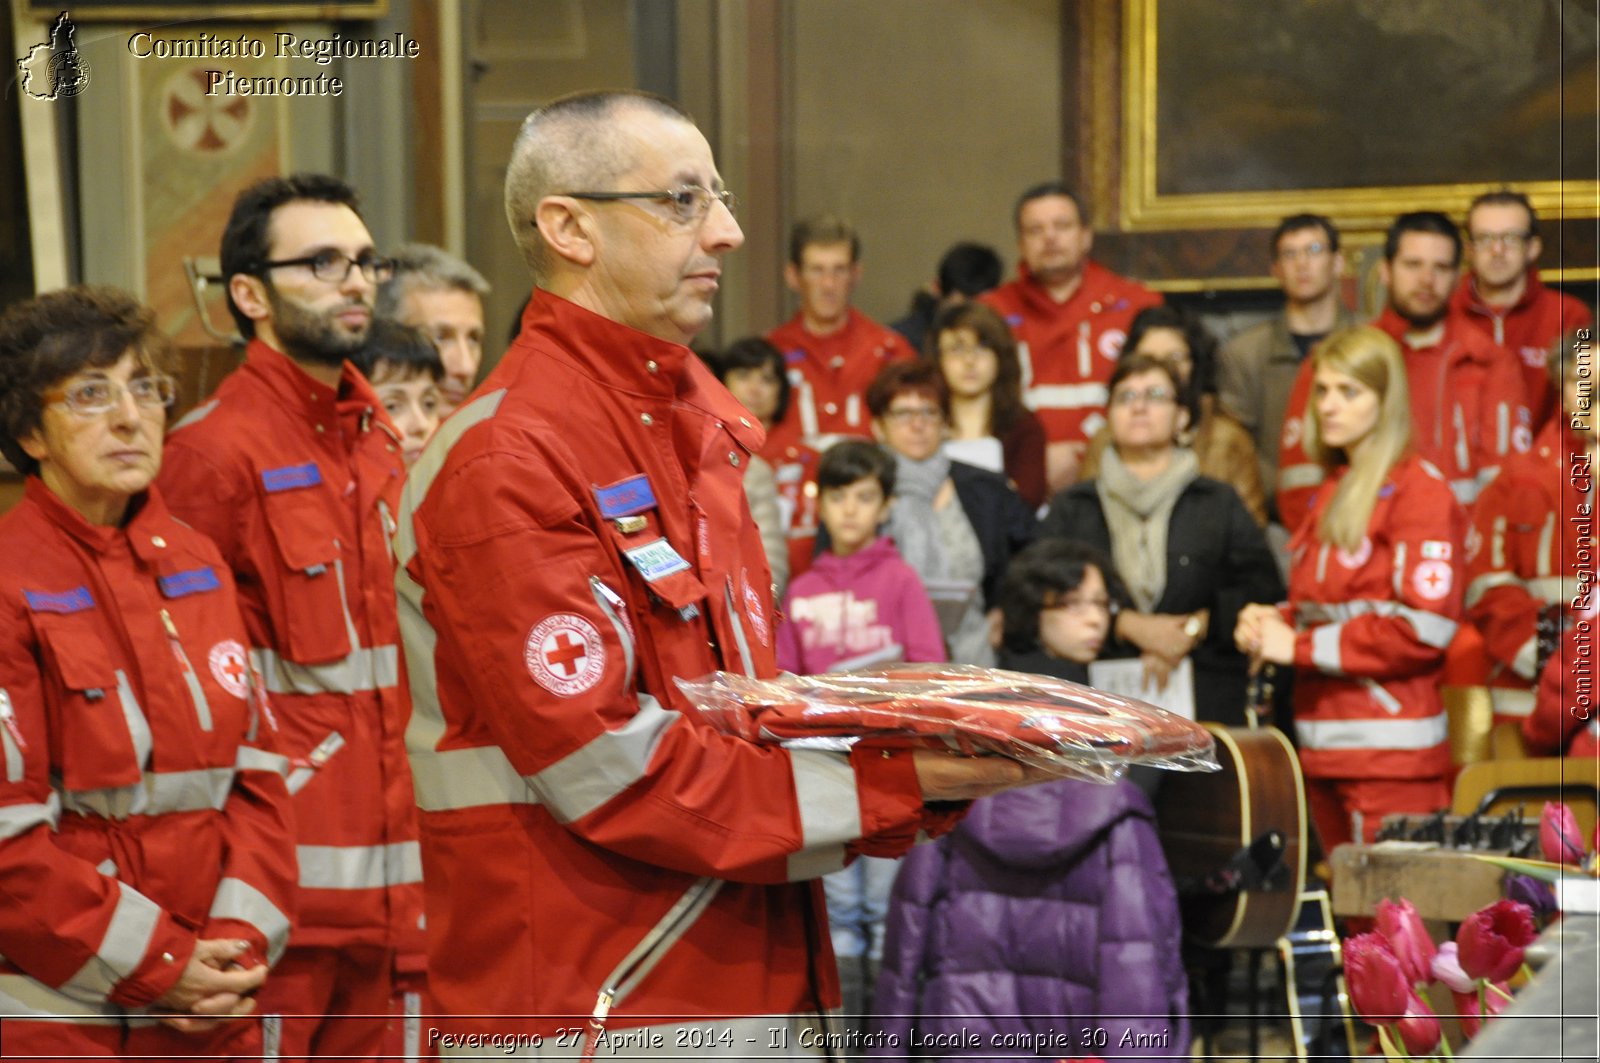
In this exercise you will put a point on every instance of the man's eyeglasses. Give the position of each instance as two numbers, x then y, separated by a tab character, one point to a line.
334	266
1153	396
93	397
689	202
1083	606
1295	254
908	414
1509	241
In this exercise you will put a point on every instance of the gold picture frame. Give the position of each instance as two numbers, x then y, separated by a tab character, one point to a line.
246	11
1144	206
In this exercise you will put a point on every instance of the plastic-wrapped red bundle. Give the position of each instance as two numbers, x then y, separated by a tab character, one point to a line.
1064	727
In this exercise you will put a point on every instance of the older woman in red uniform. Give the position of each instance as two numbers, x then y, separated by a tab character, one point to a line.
1375	594
146	862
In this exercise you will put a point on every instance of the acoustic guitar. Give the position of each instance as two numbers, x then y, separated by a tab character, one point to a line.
1236	839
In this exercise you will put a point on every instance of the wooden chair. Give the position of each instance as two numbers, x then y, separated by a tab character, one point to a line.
1497	786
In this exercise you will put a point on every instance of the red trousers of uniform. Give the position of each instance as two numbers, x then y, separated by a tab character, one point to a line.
327	1002
1336	804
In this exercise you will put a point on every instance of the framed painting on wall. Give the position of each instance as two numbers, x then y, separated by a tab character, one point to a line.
1238	114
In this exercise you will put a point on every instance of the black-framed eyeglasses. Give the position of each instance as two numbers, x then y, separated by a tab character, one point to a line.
689	202
333	266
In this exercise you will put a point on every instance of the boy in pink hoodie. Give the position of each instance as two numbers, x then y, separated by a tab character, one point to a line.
859	604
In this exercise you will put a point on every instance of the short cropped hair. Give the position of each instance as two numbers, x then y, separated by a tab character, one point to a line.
970	269
920	377
1507	197
570	145
247	238
1422	221
753	352
822	229
51	337
1201	343
1044	190
1040	577
424	267
1296	222
850	460
402	348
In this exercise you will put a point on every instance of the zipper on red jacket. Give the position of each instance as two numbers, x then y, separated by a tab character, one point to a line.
611	604
197	694
12	737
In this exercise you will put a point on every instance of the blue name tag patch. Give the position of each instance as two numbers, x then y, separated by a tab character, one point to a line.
194	581
74	601
291	476
655	560
625	497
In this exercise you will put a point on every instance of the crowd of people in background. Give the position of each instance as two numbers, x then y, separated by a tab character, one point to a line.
1034	473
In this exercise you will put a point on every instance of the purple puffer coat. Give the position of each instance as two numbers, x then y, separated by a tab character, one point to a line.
1045	925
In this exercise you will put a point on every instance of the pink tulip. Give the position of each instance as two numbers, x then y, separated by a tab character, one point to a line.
1378	986
1401	926
1495	999
1419	1028
1559	837
1446	968
1492	939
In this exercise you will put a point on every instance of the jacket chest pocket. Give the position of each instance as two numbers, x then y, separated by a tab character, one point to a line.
99	730
311	608
674	620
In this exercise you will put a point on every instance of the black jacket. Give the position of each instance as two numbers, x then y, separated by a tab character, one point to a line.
1217	559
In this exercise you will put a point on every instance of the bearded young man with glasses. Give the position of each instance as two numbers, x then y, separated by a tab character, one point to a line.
294	469
1503	297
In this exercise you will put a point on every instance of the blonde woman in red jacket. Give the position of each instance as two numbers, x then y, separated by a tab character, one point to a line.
1375	591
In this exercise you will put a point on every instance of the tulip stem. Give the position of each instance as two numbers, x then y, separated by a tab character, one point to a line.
1497	989
1390	1048
1444	1043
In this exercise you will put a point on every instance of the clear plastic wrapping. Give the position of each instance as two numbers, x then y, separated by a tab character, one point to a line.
1063	727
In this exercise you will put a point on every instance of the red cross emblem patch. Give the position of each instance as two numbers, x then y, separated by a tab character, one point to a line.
1431	579
565	654
229	667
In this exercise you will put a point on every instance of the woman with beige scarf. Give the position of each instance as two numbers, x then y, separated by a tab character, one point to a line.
1184	545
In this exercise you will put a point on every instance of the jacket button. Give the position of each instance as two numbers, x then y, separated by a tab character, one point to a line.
319	428
650	366
733	458
158	542
831	408
167	957
744	421
645	418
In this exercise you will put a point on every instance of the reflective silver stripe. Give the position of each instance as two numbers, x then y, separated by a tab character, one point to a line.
363	669
1509	702
1526	662
1463	454
1488	582
196	415
359	867
611	604
467	778
1386	701
809	428
1553	589
237	899
138	726
252	759
669	929
605	766
852	410
298	777
1025	357
271	1037
1503	428
411	1036
746	661
1373	734
1066	396
1322	562
1085	354
1325	649
1465	490
197	694
17	820
22	997
126	940
1497	543
156	794
8	720
1399	569
830	812
1431	628
1294	476
1546	539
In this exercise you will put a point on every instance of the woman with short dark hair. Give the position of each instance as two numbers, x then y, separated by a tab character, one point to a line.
146	857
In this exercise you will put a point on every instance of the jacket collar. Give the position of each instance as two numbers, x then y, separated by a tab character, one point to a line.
1450	340
1094	286
147	515
308	399
1468	299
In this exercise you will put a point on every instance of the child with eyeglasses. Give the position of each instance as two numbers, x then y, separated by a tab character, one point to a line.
1078	864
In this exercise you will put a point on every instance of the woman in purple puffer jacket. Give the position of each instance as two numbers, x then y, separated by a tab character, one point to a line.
1046	924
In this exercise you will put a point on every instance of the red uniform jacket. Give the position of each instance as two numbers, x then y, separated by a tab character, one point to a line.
142	804
1467	415
1372	628
1565	720
794	467
1069	349
1528	329
574	539
1525	555
829	375
298	485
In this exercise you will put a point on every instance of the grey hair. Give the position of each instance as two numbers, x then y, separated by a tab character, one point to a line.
570	145
428	268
